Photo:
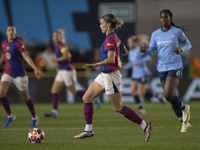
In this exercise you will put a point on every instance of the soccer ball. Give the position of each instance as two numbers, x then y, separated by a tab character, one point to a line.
36	135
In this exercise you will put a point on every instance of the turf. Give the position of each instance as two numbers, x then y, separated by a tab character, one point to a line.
112	130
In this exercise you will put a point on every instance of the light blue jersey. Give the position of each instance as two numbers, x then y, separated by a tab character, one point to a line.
134	56
165	42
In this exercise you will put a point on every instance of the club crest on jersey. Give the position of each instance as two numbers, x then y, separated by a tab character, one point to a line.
172	36
8	56
109	44
7	47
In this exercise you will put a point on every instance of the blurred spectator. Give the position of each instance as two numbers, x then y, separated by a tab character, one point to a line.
47	55
195	67
83	56
72	50
96	57
33	49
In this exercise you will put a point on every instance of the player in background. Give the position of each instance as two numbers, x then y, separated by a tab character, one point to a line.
140	72
166	41
66	75
110	79
14	54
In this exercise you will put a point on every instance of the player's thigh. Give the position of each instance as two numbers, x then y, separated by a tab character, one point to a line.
72	89
116	101
4	87
94	90
170	87
57	87
134	87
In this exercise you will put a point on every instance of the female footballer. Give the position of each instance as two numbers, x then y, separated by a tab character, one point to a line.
166	40
66	75
110	79
140	72
14	54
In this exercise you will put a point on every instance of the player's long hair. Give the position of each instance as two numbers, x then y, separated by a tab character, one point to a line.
171	16
62	34
115	22
19	37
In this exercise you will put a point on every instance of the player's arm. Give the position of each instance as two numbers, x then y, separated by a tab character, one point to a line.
144	59
66	55
152	46
124	51
183	40
2	59
31	63
108	61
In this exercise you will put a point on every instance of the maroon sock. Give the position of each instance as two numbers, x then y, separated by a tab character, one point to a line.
31	108
55	100
80	93
6	105
131	115
88	112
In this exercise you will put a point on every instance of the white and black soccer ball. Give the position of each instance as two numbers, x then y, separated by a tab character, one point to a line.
36	135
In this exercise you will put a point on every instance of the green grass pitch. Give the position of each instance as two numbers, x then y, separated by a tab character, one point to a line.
112	130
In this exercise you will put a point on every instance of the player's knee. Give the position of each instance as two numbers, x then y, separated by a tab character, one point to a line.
86	99
133	92
25	96
2	94
52	91
118	108
168	96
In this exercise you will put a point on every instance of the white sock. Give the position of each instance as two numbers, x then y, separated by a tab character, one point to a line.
143	124
88	127
10	116
55	111
34	117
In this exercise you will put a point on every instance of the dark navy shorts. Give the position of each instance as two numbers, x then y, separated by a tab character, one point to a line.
171	73
142	80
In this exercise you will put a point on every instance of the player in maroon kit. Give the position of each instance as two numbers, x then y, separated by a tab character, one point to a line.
66	75
14	53
110	79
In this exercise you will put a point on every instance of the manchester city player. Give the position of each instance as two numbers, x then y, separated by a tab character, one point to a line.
14	54
140	72
166	41
110	79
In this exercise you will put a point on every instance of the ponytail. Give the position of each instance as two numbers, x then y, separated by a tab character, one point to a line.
20	37
182	28
115	22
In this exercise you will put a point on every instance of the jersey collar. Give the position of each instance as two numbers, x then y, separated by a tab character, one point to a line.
167	30
110	34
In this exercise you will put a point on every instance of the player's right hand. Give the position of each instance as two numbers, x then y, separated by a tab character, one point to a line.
142	49
38	73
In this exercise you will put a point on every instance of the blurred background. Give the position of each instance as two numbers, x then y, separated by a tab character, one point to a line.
37	19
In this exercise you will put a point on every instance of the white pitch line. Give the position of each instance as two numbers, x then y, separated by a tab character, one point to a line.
64	128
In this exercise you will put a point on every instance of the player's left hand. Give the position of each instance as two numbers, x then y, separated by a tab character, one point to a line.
177	50
86	66
38	73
